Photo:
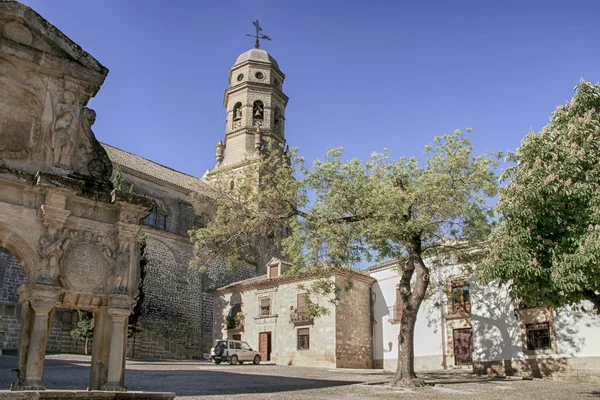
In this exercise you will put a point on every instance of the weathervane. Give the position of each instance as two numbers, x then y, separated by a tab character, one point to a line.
258	35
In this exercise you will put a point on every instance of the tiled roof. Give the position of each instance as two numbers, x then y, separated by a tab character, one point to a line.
263	281
150	168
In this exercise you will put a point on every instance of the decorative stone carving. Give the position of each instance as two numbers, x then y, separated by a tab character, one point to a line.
17	32
67	117
99	165
21	107
85	267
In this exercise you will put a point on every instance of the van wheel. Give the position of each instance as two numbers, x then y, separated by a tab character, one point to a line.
256	359
217	361
234	360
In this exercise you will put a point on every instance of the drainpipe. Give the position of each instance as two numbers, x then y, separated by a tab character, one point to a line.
443	328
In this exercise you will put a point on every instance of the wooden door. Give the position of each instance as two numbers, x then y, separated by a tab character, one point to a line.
463	346
264	345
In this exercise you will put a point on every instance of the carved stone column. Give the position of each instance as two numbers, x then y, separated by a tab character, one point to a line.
100	348
118	340
37	344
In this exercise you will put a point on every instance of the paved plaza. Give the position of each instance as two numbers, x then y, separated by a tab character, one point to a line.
200	379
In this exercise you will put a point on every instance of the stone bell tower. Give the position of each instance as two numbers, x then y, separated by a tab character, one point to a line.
255	105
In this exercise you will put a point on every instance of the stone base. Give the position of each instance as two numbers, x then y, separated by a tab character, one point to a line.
84	395
580	369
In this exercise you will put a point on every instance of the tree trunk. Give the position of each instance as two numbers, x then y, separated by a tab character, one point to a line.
412	297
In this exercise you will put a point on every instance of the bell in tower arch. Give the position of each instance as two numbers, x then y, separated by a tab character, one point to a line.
258	110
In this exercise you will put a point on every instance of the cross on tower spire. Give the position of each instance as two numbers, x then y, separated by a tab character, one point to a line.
258	34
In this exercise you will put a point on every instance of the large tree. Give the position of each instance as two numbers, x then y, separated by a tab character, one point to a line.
404	210
547	245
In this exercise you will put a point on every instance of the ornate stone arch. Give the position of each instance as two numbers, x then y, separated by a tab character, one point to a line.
16	243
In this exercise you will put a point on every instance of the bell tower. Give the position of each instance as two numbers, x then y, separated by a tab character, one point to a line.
255	109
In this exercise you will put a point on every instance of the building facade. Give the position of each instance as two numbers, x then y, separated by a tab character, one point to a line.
270	313
478	327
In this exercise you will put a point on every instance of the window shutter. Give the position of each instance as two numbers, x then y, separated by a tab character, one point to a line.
301	304
274	271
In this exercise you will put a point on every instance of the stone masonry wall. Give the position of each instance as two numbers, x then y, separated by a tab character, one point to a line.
146	344
12	276
354	340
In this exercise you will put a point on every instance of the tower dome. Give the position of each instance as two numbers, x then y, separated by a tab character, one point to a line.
258	55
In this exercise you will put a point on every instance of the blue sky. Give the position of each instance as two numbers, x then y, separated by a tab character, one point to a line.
361	75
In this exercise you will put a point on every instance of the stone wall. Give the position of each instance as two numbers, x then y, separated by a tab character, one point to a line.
354	339
146	344
59	341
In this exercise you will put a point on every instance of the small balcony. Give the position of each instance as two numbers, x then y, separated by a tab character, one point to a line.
395	313
459	309
234	324
301	319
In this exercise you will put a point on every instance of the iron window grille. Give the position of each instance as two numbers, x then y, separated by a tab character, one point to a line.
538	336
304	339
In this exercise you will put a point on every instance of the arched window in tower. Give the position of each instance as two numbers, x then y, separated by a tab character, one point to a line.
237	111
231	185
276	119
258	110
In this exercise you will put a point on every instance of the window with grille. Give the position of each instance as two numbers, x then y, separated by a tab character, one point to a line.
538	336
461	298
156	219
301	304
265	306
303	339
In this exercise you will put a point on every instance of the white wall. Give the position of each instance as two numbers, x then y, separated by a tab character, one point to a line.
428	329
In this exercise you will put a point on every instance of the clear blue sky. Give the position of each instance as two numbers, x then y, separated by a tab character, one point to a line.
362	75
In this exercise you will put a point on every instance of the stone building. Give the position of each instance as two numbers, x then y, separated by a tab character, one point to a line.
478	327
269	313
177	311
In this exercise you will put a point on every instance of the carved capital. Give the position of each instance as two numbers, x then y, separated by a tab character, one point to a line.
120	304
53	218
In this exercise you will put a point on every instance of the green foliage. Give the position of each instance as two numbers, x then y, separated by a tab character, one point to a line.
118	178
547	244
84	329
246	221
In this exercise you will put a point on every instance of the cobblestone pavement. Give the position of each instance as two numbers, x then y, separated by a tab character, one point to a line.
199	379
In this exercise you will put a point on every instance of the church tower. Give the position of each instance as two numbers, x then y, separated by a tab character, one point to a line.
255	108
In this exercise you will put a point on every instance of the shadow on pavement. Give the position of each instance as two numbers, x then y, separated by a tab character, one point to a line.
187	381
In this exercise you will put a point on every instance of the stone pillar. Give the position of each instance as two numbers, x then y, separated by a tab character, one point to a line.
37	344
118	340
100	349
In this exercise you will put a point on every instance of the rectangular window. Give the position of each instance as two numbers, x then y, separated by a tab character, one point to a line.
301	304
460	298
265	306
538	336
303	339
274	271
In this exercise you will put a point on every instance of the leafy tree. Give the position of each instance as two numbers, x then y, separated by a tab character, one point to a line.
547	245
118	178
84	329
391	209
